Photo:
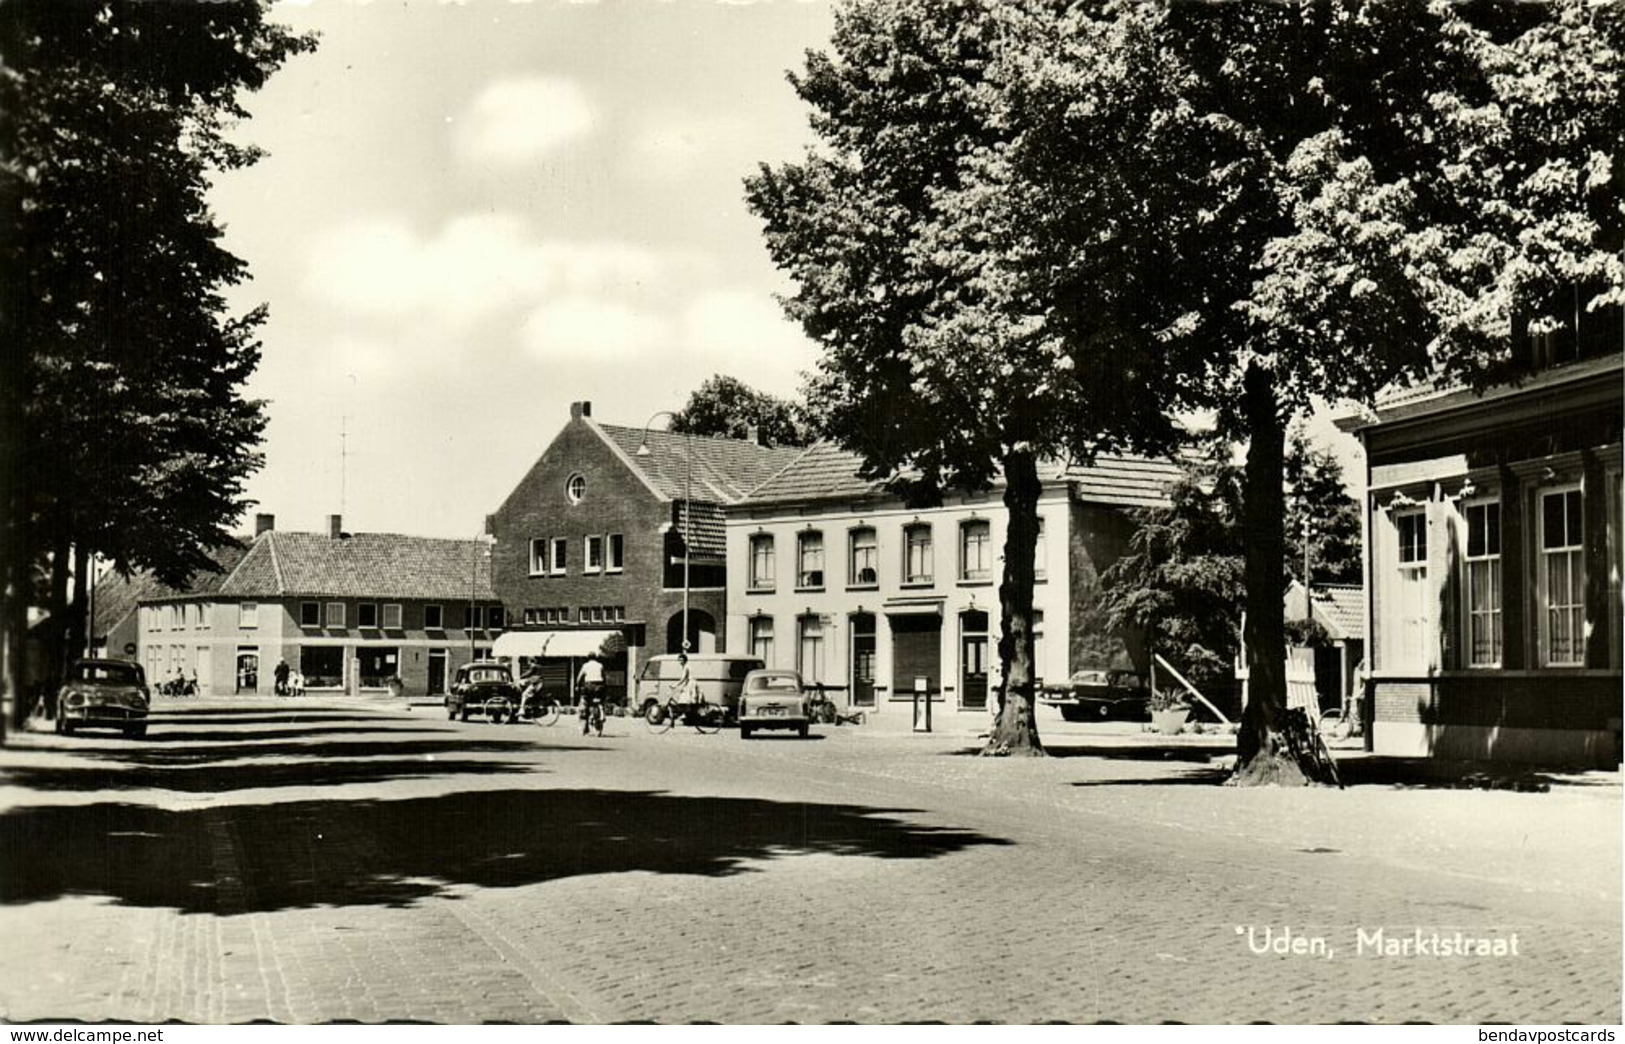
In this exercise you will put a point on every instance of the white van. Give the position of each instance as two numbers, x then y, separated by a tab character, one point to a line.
717	676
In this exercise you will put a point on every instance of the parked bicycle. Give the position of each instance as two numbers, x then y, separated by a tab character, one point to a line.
701	715
179	686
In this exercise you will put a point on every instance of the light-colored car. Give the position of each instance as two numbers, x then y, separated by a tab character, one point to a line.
104	694
773	699
718	677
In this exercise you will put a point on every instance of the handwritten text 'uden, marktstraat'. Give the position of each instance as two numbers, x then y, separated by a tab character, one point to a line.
1425	943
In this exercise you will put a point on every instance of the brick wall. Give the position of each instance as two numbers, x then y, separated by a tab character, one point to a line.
1521	701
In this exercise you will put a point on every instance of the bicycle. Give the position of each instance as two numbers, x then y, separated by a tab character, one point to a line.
592	713
1308	747
701	715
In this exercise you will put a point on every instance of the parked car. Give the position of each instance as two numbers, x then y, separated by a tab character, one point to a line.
476	685
104	694
717	676
773	699
1102	696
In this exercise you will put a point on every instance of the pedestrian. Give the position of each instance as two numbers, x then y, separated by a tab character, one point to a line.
296	683
281	676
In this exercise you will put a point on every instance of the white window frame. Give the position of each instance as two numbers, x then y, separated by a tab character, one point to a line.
614	553
1409	622
248	615
475	618
1545	556
810	560
760	637
575	487
871	556
763	562
592	549
538	556
1041	553
810	634
558	555
361	615
927	557
984	570
335	612
391	612
1490	563
438	614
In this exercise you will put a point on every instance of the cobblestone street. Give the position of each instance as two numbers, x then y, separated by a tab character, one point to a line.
311	861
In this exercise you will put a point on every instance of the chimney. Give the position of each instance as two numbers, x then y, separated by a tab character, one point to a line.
335	526
753	435
263	524
580	409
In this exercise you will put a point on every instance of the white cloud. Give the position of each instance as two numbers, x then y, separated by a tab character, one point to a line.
476	266
515	121
747	335
586	330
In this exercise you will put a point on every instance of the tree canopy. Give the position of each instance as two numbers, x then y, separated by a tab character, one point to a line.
727	407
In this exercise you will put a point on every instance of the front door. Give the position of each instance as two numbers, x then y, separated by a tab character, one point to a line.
437	672
204	669
863	660
248	670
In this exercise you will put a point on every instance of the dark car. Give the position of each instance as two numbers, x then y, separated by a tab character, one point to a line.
1103	696
104	694
483	687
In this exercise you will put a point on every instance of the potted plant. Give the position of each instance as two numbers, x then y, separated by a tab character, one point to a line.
1169	711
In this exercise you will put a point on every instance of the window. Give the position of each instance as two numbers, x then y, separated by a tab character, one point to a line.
1411	594
495	617
975	558
917	554
476	618
595	554
864	568
310	614
1040	554
1483	563
538	557
366	614
433	618
1562	579
810	559
761	638
377	666
575	488
335	614
761	561
248	614
561	550
392	616
616	553
322	666
810	649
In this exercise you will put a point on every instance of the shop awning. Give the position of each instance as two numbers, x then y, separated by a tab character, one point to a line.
913	607
534	644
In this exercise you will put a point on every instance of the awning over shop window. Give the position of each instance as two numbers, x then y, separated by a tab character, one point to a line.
535	644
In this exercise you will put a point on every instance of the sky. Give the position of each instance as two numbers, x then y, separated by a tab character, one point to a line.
472	214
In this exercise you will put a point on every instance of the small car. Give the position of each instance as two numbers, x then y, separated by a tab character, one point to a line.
1103	696
773	699
104	694
483	687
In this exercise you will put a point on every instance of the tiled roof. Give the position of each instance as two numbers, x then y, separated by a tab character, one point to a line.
1340	609
827	472
724	469
361	565
116	596
707	537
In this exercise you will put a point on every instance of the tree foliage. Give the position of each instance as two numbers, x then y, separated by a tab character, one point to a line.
128	388
727	407
1318	503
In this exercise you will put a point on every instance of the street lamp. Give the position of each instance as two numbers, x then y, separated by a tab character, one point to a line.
688	503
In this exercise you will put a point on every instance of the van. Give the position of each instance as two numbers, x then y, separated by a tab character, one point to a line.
718	677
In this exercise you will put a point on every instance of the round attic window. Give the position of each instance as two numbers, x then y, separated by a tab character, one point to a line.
575	488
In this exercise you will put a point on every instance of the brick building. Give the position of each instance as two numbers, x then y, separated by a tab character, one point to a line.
1493	559
831	574
347	610
590	552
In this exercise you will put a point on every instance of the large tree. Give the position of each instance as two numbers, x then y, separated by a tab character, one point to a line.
1353	193
937	368
126	386
727	407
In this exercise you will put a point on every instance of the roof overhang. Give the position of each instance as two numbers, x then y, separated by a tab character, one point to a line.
536	644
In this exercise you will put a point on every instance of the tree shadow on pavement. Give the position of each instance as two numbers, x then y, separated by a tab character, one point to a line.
161	732
212	779
138	754
245	858
1208	777
271	718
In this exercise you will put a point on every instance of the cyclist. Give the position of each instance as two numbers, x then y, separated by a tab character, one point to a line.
590	682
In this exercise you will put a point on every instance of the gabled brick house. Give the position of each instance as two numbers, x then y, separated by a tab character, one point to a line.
589	548
347	610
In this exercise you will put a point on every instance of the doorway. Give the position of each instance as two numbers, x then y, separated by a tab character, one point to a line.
973	660
248	670
916	641
863	660
437	672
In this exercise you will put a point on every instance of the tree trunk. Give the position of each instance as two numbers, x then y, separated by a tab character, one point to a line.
1262	756
1015	731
